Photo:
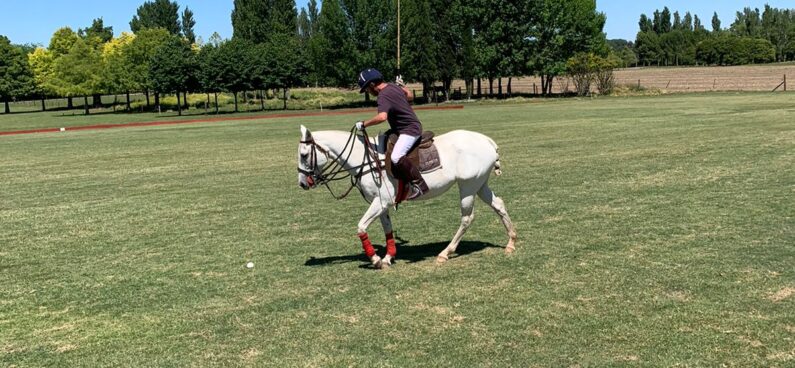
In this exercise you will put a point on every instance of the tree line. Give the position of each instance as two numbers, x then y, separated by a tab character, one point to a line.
754	37
276	47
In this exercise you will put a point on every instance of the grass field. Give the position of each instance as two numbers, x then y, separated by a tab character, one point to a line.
654	231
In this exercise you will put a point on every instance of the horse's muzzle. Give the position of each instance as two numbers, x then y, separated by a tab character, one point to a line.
308	184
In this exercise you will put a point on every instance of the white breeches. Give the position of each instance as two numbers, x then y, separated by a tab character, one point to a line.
402	147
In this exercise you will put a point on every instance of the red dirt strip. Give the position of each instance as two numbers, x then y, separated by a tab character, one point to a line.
213	120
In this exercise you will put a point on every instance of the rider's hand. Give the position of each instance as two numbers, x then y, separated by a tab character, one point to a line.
399	81
359	125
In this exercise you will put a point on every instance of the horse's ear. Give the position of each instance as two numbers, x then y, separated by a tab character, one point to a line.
305	133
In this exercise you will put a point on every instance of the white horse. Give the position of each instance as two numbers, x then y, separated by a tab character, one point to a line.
467	158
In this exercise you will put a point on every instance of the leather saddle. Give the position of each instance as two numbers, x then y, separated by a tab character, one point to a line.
423	154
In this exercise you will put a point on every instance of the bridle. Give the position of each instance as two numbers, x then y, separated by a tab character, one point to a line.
337	171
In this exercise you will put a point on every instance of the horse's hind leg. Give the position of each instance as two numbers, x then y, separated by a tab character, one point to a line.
498	205
467	215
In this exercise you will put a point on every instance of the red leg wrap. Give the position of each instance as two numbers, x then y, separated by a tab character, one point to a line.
369	251
391	249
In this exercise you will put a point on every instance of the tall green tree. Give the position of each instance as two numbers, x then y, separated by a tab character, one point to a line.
41	63
257	20
697	26
286	65
62	41
117	75
333	47
210	70
171	66
157	14
250	20
558	30
79	72
236	66
747	23
313	15
420	51
97	30
687	22
373	29
665	20
645	24
139	53
283	18
499	36
678	26
715	23
187	25
308	31
16	79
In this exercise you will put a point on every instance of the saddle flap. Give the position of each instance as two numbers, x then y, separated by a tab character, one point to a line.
426	158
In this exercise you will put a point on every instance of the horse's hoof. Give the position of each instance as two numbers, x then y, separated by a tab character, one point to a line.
510	249
441	259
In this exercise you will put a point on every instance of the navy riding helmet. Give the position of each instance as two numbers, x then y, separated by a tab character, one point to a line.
368	76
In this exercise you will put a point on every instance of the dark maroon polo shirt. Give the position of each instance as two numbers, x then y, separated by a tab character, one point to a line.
402	119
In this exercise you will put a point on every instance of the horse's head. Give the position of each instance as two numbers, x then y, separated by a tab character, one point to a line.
311	160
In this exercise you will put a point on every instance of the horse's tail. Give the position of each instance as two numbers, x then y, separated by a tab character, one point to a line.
497	165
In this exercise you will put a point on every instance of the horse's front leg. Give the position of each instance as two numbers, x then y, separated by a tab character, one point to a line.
376	209
391	248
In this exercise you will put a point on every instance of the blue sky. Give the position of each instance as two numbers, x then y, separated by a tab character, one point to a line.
25	22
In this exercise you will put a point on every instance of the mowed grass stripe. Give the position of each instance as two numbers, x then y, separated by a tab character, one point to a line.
654	231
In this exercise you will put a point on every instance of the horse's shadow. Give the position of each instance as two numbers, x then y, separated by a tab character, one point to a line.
408	254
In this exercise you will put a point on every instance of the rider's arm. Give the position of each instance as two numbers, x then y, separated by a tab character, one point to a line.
409	96
378	119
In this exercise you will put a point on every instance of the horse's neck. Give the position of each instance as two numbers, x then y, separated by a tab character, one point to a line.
335	141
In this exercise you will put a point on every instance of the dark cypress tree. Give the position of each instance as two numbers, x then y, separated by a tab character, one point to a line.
334	46
715	23
248	19
304	26
645	24
257	20
314	14
687	23
665	20
187	25
283	19
697	26
419	52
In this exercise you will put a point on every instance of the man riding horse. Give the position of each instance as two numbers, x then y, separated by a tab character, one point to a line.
393	106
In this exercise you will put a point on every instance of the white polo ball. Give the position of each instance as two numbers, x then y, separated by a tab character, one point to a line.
250	265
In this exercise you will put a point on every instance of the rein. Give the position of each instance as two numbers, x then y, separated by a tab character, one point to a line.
336	171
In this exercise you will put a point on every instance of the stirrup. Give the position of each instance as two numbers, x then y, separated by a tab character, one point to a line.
414	192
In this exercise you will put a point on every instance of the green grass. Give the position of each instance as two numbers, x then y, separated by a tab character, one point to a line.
654	231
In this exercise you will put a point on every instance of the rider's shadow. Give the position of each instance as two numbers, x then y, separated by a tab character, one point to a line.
408	254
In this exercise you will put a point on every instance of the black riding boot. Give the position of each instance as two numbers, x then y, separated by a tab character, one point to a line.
410	173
